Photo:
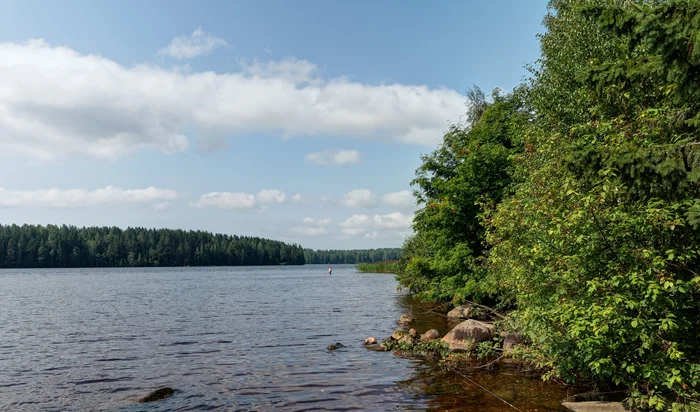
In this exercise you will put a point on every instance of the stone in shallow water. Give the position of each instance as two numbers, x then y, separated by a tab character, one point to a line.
468	334
430	335
337	345
461	312
595	406
405	320
157	395
377	347
369	341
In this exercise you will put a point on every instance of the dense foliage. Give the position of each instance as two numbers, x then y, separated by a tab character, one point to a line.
30	246
351	256
471	168
586	227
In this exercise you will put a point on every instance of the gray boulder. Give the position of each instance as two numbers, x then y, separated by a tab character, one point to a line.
468	334
510	340
462	312
430	335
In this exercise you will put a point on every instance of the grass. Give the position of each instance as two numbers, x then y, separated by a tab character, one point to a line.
387	266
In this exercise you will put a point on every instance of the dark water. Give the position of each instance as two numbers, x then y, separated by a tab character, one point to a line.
227	339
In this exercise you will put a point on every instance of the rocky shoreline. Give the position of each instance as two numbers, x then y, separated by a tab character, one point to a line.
477	341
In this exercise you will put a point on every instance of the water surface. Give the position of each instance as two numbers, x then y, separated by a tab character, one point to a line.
242	338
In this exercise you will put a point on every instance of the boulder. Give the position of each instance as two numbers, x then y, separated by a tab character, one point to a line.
430	335
406	339
398	334
157	395
595	406
413	332
510	340
369	341
462	312
405	320
378	347
468	334
337	345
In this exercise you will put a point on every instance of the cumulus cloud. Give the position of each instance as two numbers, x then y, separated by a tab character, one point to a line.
196	44
400	200
297	198
270	196
226	201
239	200
393	220
56	101
334	157
359	198
364	224
67	198
315	227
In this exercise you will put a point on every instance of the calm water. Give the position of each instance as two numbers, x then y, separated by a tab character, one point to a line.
225	338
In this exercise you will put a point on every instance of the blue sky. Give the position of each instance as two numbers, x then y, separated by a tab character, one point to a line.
300	121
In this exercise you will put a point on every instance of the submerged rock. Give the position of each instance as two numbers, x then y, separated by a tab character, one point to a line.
337	345
595	406
430	335
405	320
377	347
157	395
468	334
370	341
462	312
510	340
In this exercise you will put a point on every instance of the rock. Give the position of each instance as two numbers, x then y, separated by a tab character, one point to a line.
430	335
468	334
413	332
462	312
378	347
405	320
369	341
157	395
406	339
595	406
510	340
398	334
337	345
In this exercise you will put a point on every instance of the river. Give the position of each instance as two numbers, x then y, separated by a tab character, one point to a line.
233	338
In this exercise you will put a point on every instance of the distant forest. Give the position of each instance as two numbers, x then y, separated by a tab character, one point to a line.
352	256
52	246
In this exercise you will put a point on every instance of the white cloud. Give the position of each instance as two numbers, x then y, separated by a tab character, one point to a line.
297	198
313	221
310	231
359	198
318	226
356	220
400	200
359	224
393	220
334	158
226	200
352	231
196	44
65	198
270	196
56	101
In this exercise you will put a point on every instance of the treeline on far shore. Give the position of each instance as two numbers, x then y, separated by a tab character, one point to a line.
52	246
352	256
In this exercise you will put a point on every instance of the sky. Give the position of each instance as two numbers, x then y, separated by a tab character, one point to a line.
302	121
